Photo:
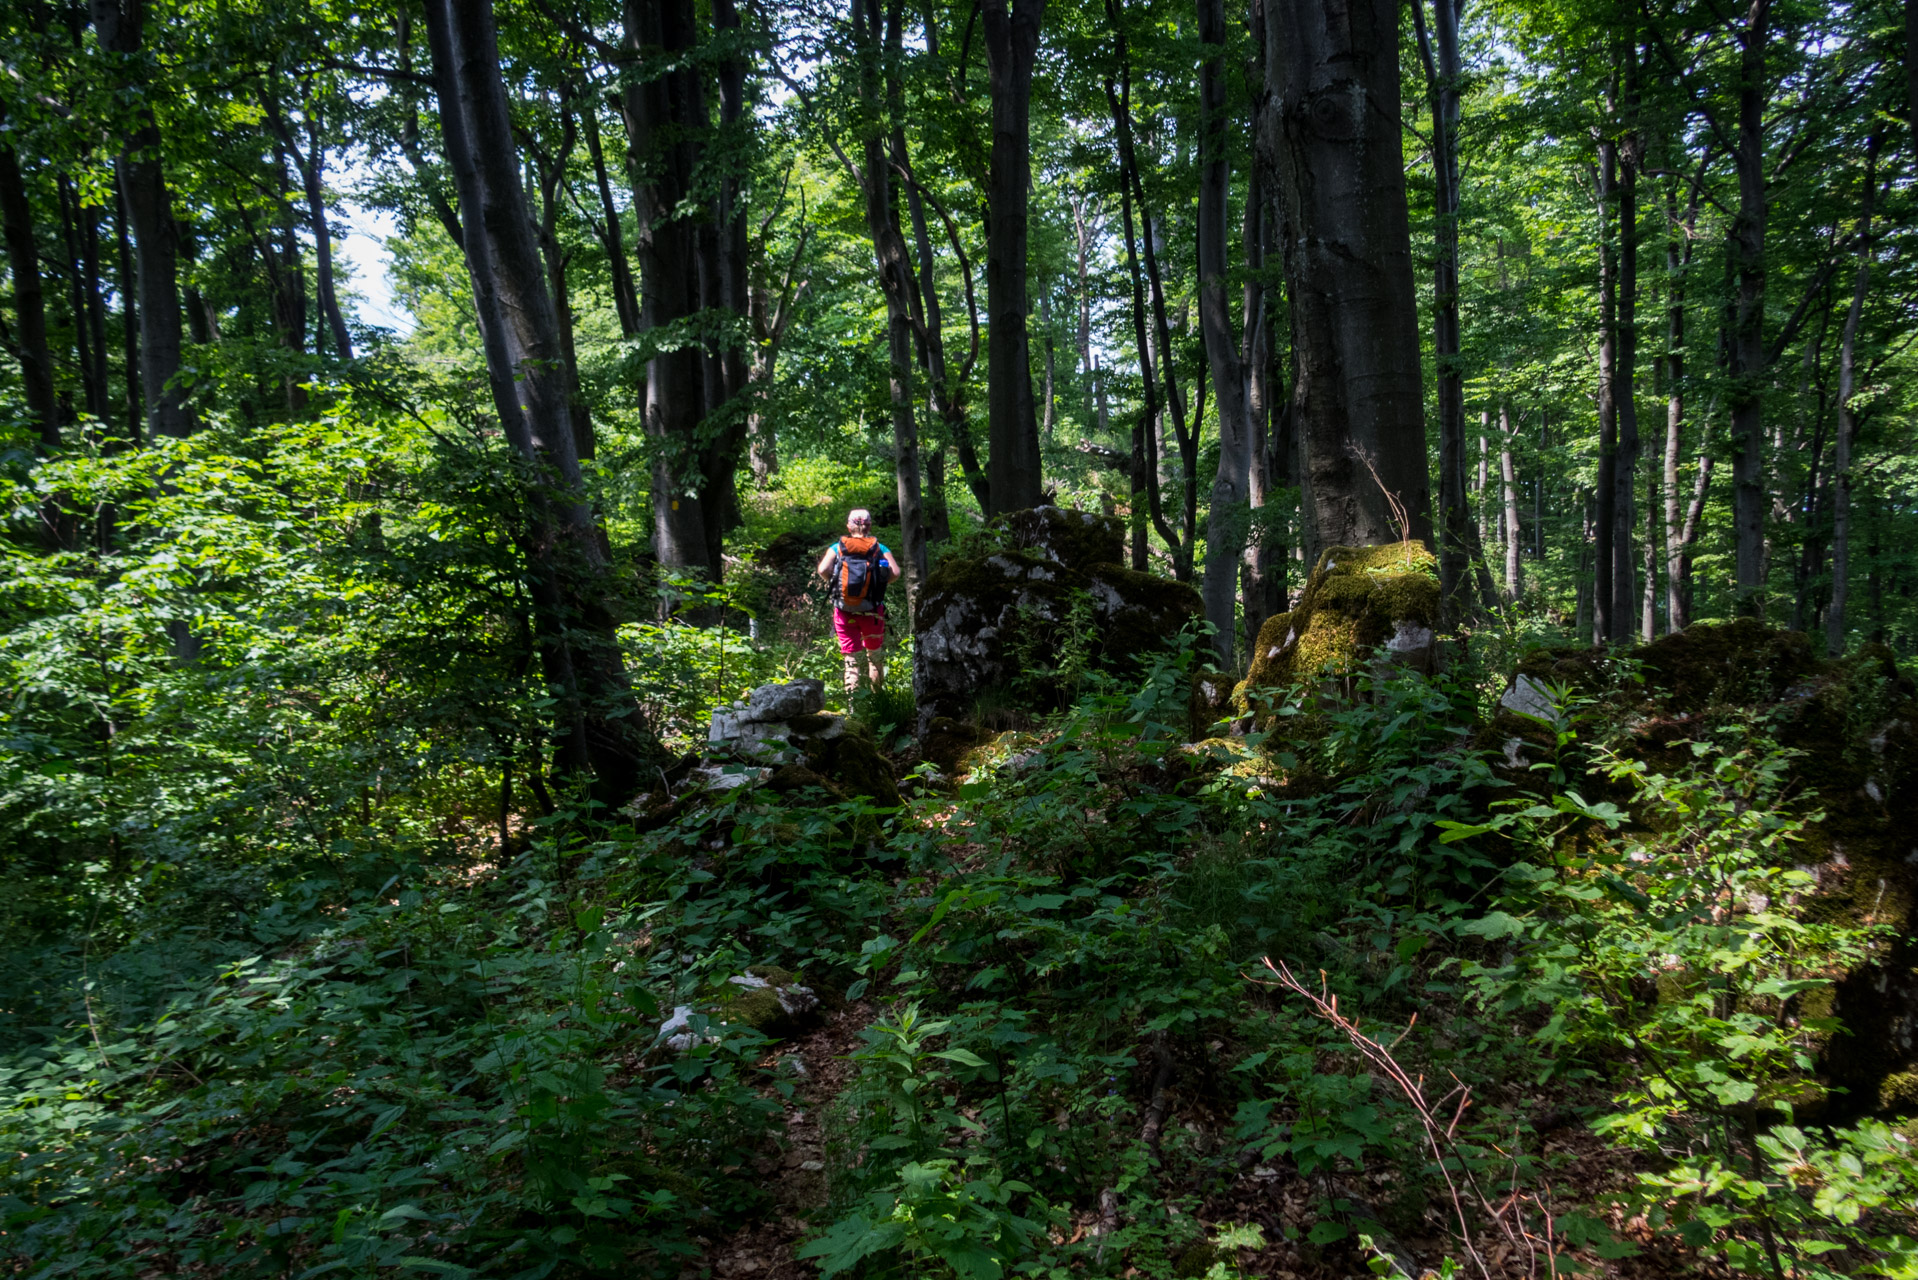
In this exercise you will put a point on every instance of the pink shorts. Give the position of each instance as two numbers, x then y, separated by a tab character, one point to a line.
858	631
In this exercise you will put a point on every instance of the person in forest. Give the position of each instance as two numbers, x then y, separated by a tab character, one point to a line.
856	569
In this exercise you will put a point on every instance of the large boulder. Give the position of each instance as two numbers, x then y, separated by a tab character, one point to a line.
1029	617
1361	604
778	736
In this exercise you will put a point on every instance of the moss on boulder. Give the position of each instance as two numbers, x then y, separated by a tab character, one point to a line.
1004	620
1076	539
1359	603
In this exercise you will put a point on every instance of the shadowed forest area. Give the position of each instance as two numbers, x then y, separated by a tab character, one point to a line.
1395	748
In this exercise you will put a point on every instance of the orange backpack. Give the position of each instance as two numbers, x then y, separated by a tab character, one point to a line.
862	576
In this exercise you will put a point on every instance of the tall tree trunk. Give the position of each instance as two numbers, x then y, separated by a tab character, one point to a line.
612	234
1678	252
1835	619
1333	79
1145	461
879	39
1225	532
1088	369
1050	415
1012	46
1262	582
310	163
1625	593
666	123
597	730
1746	246
1182	435
1508	479
82	269
29	300
1442	84
1606	625
128	290
149	211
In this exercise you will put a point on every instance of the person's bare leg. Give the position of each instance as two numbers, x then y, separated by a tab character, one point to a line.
876	668
852	674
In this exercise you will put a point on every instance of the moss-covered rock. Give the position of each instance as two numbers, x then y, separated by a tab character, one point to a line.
1024	619
1076	539
1358	604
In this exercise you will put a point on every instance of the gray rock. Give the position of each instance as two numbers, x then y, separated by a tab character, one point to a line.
773	702
1527	697
725	777
1412	644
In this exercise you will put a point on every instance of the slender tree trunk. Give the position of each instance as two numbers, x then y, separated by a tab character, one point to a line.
1332	74
1225	533
597	730
1835	619
29	300
1746	246
1262	583
1678	250
947	386
310	163
1624	396
877	39
1606	625
1088	369
1442	77
1508	478
1648	566
129	321
1145	461
1050	416
1012	46
1182	435
82	269
149	210
612	233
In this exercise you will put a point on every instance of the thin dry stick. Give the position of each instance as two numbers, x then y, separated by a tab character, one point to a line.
1400	516
1439	1136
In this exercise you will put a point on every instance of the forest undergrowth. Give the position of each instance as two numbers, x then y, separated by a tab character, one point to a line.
1338	996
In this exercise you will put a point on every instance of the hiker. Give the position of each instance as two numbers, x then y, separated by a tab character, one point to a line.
856	569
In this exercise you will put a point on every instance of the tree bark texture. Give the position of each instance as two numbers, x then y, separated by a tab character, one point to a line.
666	123
149	212
1442	71
1625	593
1746	247
29	301
1012	46
1226	525
895	272
597	731
1332	72
1836	620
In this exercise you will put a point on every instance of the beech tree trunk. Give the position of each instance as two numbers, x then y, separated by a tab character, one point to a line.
666	120
1835	618
1625	594
29	300
1508	479
1225	533
149	212
1745	245
1012	45
1442	77
895	273
1333	79
597	732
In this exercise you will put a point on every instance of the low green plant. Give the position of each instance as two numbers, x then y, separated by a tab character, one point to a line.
1662	934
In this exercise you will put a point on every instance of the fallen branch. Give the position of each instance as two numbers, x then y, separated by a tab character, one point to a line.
1440	1136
